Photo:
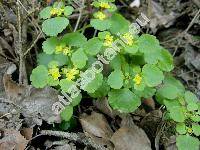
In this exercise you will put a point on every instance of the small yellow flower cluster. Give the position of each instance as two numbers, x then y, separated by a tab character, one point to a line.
54	72
100	15
104	5
70	73
129	38
108	40
189	130
63	49
57	11
137	79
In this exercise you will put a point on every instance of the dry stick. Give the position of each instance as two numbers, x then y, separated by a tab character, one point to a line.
193	21
33	44
74	137
32	21
19	45
79	17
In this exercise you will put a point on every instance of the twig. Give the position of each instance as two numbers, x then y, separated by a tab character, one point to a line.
193	21
74	137
20	51
79	18
33	44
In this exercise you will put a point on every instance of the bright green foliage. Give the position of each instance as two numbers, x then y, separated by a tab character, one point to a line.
68	10
93	46
92	86
67	113
54	26
45	59
74	39
100	24
79	58
49	45
118	24
186	142
139	68
115	79
65	84
181	128
169	91
46	13
123	100
153	76
196	129
39	77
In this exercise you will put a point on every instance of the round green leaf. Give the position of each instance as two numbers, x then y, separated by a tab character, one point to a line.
100	24
168	91
176	111
39	76
68	10
49	45
146	93
94	84
190	97
148	43
76	100
93	46
79	58
118	24
115	79
192	106
153	76
123	100
131	49
52	82
102	91
65	84
45	13
166	61
196	129
187	142
181	128
54	26
67	113
74	39
195	118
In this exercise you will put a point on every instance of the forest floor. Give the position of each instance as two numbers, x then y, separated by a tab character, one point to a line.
174	22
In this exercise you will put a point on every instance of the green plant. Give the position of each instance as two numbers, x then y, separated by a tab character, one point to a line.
139	69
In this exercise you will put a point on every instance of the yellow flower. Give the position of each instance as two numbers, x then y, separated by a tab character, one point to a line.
60	11
54	11
57	11
104	5
129	38
100	15
54	72
137	79
59	49
67	51
189	130
108	40
70	73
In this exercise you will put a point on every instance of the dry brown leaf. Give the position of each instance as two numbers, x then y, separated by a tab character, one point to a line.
103	106
12	140
130	137
27	133
35	104
96	124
